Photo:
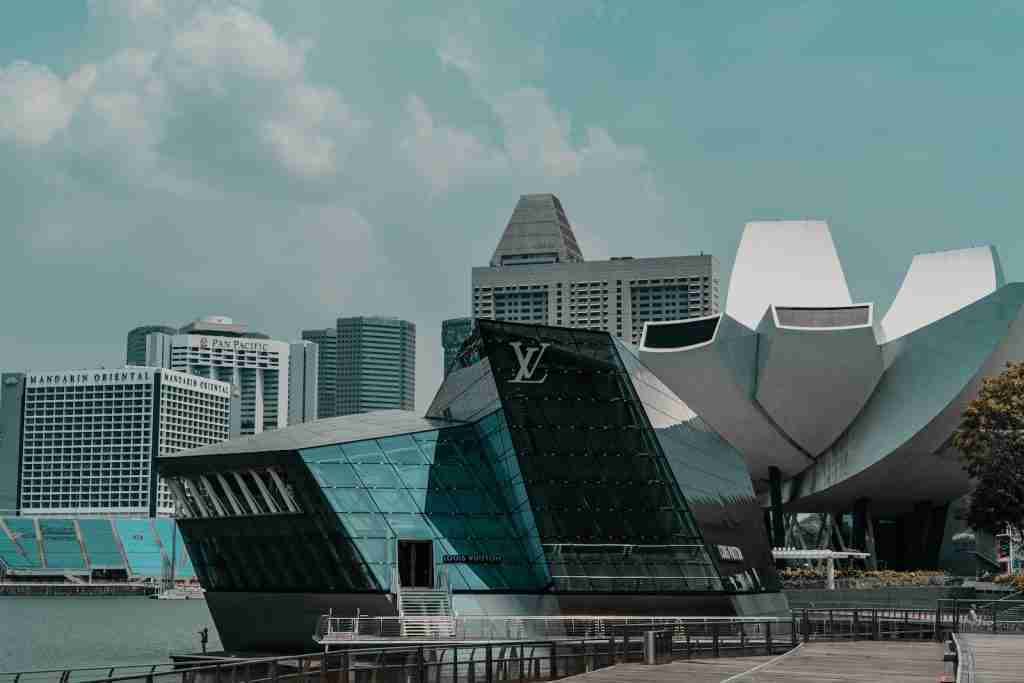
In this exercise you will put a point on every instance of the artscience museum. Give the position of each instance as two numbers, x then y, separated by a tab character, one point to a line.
838	408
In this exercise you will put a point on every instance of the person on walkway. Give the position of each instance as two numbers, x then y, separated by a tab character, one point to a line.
204	637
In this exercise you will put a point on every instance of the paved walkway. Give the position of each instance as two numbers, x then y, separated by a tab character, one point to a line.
997	659
860	662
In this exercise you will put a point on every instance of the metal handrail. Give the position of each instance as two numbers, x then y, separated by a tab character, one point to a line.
332	629
964	660
66	673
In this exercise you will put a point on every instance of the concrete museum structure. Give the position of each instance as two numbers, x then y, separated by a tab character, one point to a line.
838	409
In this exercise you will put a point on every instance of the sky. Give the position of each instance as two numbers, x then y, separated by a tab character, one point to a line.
285	164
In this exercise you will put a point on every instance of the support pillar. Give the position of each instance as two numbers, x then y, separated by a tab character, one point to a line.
778	528
864	532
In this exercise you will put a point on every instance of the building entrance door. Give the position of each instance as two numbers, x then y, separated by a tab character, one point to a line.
416	564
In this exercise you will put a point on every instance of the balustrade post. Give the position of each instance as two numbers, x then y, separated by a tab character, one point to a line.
273	671
553	664
807	626
714	639
856	625
768	637
793	638
489	673
625	645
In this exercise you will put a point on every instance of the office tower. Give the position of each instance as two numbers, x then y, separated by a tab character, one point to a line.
454	331
89	438
12	393
376	364
327	382
136	351
538	275
219	348
303	373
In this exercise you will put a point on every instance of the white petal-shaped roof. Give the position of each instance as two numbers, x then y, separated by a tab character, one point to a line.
711	364
787	263
816	370
939	284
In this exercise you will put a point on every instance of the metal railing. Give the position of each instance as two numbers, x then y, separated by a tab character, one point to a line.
332	629
524	660
76	674
964	659
971	616
871	623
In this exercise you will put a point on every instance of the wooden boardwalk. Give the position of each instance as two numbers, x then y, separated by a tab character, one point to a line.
863	662
997	659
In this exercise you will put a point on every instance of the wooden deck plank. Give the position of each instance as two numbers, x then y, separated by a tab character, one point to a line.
862	662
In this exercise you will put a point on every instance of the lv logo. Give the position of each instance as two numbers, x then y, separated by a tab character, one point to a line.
528	362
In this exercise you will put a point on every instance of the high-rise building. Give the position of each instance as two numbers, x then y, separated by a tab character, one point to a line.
538	275
327	382
12	394
219	348
303	374
454	331
376	364
89	438
136	351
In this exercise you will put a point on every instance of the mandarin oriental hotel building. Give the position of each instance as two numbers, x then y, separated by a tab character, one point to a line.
88	439
553	474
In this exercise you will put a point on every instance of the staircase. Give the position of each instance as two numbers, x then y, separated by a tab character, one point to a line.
426	613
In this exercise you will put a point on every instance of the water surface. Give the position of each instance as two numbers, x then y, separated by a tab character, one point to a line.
51	632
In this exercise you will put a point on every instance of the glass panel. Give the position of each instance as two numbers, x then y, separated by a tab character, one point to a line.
393	500
321	453
362	451
410	526
350	500
381	475
414	476
365	525
334	474
401	450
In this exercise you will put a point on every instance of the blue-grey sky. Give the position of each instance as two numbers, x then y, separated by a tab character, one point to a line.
288	163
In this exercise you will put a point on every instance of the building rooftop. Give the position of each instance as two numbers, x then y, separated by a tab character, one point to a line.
332	430
537	232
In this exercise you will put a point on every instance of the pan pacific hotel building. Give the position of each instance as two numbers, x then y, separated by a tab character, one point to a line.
274	383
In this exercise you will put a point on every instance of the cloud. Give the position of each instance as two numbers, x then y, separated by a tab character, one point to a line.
443	155
305	134
232	42
456	53
36	104
213	85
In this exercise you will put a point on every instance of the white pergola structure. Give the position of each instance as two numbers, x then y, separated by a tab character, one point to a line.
830	556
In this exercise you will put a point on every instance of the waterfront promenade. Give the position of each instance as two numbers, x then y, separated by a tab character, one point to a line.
874	662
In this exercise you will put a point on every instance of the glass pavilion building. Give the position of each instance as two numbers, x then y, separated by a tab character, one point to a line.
552	474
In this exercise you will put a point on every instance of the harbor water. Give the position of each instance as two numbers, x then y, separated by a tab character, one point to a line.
53	632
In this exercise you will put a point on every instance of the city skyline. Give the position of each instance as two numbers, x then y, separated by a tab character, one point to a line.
116	209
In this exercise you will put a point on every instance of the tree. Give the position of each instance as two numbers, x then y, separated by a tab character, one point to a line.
991	441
